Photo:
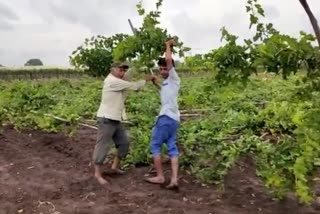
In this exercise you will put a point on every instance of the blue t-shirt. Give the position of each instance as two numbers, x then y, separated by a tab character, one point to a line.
169	96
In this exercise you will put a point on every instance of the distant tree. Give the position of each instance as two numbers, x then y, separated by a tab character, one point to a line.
1	65
33	62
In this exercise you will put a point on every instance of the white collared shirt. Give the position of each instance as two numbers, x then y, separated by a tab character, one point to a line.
169	96
113	96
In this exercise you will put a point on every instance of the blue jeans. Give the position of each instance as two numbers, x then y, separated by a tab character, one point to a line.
165	131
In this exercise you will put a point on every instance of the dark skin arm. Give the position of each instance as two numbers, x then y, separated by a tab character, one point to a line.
168	53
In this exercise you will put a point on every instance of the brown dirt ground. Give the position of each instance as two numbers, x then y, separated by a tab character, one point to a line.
51	173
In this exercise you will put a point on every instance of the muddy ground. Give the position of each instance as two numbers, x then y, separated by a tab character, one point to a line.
51	173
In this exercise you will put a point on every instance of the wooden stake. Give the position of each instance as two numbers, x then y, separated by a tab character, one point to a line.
82	124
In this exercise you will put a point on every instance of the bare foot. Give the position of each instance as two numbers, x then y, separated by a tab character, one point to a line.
117	171
173	186
155	180
101	180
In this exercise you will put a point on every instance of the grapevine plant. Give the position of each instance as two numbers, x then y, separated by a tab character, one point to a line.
147	43
97	54
268	48
280	54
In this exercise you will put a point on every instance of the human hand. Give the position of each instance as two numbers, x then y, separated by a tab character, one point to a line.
150	78
170	42
156	82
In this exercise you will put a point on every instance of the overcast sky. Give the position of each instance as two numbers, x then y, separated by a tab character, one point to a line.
52	29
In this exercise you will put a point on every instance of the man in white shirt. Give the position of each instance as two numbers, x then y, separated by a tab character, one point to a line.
109	117
166	127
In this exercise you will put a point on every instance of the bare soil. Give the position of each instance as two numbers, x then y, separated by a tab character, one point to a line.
51	173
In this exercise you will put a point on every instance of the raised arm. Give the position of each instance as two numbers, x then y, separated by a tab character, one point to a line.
123	85
168	55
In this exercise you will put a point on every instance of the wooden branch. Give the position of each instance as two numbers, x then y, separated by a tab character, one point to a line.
81	124
312	18
196	110
64	120
189	115
134	30
123	121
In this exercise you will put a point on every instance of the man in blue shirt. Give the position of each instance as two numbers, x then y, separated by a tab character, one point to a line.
166	127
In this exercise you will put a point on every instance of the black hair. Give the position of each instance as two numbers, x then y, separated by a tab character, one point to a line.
162	62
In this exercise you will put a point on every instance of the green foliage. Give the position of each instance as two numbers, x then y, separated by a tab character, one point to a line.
268	120
236	62
282	53
233	61
308	138
95	55
263	31
147	43
197	63
268	49
25	103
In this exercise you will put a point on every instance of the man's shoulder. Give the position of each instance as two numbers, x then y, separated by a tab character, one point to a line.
173	69
173	73
111	78
110	81
108	77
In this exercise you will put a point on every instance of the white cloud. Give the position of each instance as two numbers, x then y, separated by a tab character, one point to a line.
51	30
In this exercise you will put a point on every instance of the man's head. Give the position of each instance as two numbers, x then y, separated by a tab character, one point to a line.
163	67
119	69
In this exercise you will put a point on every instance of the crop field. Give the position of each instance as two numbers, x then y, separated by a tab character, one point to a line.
240	148
38	72
249	136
